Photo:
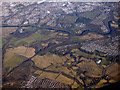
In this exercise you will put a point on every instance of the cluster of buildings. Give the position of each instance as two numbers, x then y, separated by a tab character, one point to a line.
34	82
16	13
105	13
29	83
111	49
80	25
85	8
65	47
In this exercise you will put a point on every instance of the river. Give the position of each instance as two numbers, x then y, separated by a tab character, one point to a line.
65	31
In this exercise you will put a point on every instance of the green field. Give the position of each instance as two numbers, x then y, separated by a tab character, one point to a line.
76	39
68	19
12	60
77	53
32	29
90	15
34	37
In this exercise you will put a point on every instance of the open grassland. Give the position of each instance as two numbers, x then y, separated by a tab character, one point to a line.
47	60
59	68
90	36
32	38
64	79
76	39
49	75
3	41
24	51
77	53
114	71
7	30
12	60
63	34
13	40
19	74
102	83
90	15
68	19
32	29
90	67
37	36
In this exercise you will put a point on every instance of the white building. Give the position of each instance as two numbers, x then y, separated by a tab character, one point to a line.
21	31
98	62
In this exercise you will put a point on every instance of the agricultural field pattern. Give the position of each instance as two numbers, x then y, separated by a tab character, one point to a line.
60	44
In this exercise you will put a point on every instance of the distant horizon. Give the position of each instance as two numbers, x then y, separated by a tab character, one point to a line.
60	0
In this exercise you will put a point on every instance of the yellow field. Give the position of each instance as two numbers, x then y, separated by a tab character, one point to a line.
49	75
46	60
24	51
63	34
114	71
64	79
7	30
44	44
56	41
90	36
75	85
101	83
90	67
117	18
114	25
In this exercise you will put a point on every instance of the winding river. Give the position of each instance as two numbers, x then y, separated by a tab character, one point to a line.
65	31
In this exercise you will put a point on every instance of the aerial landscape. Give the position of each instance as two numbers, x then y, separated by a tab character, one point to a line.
70	45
